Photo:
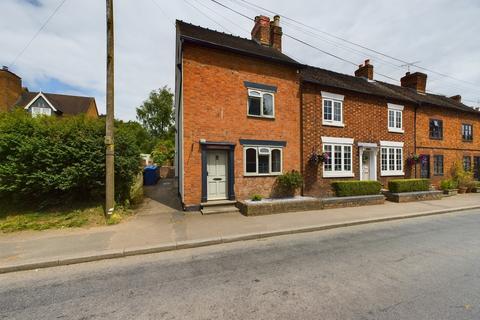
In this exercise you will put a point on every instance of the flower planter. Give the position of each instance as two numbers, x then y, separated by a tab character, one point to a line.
462	190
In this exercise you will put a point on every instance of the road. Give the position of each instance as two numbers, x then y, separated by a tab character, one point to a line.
424	268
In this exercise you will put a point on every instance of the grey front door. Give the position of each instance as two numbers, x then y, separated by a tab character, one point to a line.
216	175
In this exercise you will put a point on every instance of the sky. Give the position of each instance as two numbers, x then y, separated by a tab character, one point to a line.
68	55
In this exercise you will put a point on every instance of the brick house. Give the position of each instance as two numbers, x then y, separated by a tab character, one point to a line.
445	130
246	113
237	113
13	95
365	129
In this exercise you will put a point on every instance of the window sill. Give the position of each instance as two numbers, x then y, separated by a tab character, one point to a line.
338	174
468	141
396	130
262	174
392	173
432	138
261	117
333	124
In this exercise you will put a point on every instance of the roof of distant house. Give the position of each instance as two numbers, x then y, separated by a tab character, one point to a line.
66	104
212	38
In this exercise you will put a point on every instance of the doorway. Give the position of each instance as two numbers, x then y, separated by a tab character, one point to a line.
217	175
368	163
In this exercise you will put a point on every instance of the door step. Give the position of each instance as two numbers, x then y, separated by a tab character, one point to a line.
224	208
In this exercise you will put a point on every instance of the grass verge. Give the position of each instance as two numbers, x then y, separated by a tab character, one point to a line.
60	217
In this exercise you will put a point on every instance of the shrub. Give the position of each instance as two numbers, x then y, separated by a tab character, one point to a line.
290	182
408	185
356	188
164	152
461	177
448	184
52	160
257	197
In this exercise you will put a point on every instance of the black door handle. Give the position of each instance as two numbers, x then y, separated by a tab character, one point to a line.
217	179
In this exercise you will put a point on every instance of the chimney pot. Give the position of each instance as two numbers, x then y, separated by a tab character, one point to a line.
367	62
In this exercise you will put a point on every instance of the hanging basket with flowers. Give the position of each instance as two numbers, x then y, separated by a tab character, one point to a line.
318	157
413	159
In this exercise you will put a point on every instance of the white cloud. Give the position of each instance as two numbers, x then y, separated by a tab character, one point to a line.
71	48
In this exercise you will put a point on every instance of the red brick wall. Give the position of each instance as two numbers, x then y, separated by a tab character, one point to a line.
452	147
215	109
10	90
365	119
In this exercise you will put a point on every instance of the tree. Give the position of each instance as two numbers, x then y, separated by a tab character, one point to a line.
156	113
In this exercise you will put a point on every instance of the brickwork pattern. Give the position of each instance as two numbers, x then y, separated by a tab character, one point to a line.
215	109
452	146
365	119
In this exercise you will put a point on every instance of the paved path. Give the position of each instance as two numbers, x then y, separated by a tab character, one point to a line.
161	222
425	268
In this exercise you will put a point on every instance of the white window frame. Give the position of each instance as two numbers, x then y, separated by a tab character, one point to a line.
39	111
339	142
388	146
256	173
333	98
262	93
395	109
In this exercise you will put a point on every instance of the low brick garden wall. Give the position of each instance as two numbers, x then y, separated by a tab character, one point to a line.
258	208
272	206
356	201
413	196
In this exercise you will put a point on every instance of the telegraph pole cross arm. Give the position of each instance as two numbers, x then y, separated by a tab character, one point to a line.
109	123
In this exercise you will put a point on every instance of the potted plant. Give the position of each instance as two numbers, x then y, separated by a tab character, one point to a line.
449	187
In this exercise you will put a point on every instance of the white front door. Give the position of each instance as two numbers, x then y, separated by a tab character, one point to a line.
216	175
366	165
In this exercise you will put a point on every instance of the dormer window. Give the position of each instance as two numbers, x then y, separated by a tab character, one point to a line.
261	103
39	111
332	105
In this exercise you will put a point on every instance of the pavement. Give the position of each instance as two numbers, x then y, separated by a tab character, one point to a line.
424	268
161	225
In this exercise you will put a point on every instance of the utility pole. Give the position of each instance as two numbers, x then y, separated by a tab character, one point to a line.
109	123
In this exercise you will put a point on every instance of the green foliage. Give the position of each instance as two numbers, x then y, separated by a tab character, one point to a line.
143	139
290	181
52	160
156	113
448	184
164	152
408	185
257	197
356	188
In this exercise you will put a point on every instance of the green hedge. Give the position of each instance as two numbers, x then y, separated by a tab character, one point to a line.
356	188
408	185
52	160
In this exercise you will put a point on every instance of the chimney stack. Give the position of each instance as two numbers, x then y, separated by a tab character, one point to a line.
365	70
261	30
268	33
416	81
457	98
276	33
